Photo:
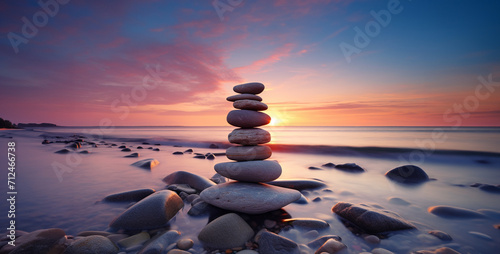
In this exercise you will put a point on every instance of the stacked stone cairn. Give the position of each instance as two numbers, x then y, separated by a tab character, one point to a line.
249	193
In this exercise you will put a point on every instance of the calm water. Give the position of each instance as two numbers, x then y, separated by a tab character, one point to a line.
485	139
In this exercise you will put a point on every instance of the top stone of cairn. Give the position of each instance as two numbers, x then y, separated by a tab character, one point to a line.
249	88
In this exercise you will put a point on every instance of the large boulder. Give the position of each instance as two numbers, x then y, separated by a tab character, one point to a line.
408	174
40	241
197	182
371	219
251	198
152	212
227	231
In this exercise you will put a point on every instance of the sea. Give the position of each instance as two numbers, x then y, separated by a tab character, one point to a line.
66	190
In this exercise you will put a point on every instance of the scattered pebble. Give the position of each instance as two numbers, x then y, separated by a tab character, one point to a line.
441	235
372	239
185	244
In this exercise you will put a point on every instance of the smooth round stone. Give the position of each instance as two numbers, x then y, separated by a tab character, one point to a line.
309	223
250	105
227	231
331	246
454	212
244	96
137	239
92	244
253	136
196	182
249	171
250	198
247	118
146	163
153	211
158	244
408	174
185	244
251	88
441	235
248	153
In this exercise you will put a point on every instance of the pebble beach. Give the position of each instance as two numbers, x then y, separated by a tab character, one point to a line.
81	194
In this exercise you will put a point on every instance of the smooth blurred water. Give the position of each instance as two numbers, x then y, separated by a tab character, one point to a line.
484	139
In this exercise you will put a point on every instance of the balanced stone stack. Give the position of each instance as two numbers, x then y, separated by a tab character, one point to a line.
249	193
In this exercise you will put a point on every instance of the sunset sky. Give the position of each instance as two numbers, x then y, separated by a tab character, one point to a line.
158	62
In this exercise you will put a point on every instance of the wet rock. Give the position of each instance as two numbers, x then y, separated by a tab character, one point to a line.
200	156
314	168
189	150
381	251
328	165
442	250
177	153
316	243
217	178
39	241
185	244
146	163
350	167
398	201
132	155
89	233
298	184
308	223
92	244
227	231
331	246
210	156
441	235
270	243
199	208
454	212
134	195
45	142
181	188
408	174
63	151
372	239
250	171
251	198
126	149
160	243
156	149
137	239
197	182
122	147
371	219
490	188
213	146
152	212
